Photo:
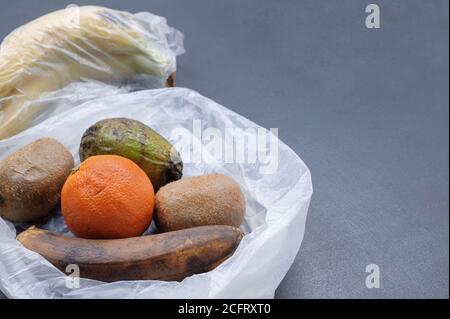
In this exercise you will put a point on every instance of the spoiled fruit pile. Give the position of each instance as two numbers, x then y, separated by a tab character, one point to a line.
128	176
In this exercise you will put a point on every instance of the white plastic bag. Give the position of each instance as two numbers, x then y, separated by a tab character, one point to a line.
76	44
277	204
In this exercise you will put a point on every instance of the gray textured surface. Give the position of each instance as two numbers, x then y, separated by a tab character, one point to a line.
367	110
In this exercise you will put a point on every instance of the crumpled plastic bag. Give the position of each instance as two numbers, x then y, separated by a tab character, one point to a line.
87	43
277	202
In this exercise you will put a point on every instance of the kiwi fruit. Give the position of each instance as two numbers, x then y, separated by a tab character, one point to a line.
31	180
212	199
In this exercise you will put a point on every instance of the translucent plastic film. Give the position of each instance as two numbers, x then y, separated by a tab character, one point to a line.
81	44
277	199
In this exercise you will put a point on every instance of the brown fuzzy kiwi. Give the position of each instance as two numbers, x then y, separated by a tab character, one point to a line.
31	180
197	201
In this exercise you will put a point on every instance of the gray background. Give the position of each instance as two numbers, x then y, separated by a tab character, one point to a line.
367	110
